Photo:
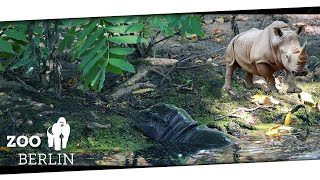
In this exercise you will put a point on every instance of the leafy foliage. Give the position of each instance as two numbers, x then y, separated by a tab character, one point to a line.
100	44
172	24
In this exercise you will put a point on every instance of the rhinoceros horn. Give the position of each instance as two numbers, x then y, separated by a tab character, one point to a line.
303	53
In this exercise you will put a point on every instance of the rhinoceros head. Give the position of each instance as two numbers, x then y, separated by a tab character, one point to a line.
293	56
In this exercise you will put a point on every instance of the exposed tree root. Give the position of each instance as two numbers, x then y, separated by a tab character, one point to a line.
134	83
122	92
22	83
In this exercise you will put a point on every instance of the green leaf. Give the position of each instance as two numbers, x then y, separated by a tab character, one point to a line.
37	29
185	25
87	30
88	78
66	22
127	39
123	20
67	41
126	28
92	52
76	22
173	19
22	62
121	51
113	69
90	41
4	25
122	64
102	78
13	34
76	48
95	80
2	68
5	46
25	59
93	61
21	25
196	26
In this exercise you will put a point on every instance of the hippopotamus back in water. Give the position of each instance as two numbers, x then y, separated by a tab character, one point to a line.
167	123
263	52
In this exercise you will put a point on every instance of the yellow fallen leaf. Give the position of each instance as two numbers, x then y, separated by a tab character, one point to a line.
142	91
264	99
278	130
218	40
216	31
275	127
194	38
273	131
287	121
306	99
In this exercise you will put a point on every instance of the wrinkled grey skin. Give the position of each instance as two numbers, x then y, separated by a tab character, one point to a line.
263	52
167	123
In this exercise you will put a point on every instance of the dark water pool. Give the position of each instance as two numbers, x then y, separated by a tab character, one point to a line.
303	144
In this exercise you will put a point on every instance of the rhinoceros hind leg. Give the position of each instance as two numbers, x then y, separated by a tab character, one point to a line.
228	76
248	78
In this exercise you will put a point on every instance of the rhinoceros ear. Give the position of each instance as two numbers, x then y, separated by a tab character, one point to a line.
300	28
277	31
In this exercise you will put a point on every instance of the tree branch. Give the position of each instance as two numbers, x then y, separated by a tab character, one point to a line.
184	60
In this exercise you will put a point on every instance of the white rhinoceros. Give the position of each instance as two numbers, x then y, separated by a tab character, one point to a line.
263	52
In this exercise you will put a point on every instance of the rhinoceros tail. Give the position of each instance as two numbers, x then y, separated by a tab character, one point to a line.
230	56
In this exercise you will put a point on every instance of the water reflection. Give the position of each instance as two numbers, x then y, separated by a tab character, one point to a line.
303	144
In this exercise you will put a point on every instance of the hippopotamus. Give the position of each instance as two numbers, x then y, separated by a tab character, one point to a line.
263	52
169	124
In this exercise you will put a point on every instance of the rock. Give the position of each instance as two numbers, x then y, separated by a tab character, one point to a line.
160	61
208	21
219	20
241	18
30	122
167	123
209	60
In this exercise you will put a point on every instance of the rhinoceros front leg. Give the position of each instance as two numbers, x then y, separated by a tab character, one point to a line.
292	85
228	76
266	72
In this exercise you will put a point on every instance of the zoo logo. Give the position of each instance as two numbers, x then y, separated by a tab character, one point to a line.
57	138
60	134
